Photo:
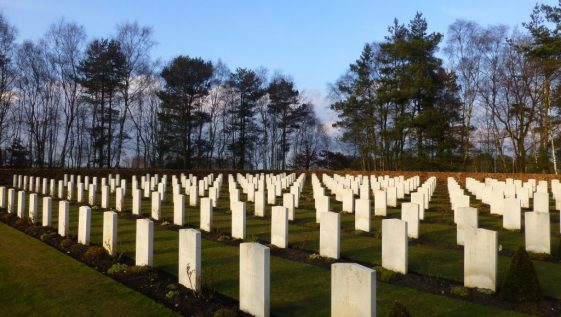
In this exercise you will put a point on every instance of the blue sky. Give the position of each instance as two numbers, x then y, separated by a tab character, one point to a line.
312	41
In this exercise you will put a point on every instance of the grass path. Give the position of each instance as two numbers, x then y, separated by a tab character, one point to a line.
37	280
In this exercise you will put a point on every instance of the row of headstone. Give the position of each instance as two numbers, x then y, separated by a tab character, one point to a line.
351	283
481	245
537	223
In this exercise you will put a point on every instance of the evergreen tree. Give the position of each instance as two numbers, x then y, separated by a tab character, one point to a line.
248	88
286	112
358	113
521	283
186	83
102	72
421	97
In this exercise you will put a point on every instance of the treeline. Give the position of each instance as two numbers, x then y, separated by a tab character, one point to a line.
483	98
67	102
494	105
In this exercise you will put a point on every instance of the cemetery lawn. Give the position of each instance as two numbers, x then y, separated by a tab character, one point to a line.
297	289
36	279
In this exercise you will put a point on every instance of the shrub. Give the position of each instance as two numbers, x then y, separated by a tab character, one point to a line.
66	243
385	275
398	310
225	312
23	222
47	236
117	267
459	291
94	253
314	256
521	283
171	294
223	237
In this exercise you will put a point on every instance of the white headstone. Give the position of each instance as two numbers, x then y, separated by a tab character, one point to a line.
238	220
380	203
190	258
255	278
193	196
144	242
288	203
279	226
11	200
119	199
137	202
353	290
84	220
206	214
3	202
104	197
467	222
419	199
21	204
410	214
110	232
260	203
391	196
537	232
271	196
362	215
47	211
348	201
91	195
512	214
541	202
63	217
480	259
179	210
322	205
394	245
80	193
329	234
33	212
156	212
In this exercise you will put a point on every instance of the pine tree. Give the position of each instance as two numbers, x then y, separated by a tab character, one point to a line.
187	81
247	86
102	72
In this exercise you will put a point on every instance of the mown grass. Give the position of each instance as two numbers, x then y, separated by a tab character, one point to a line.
37	280
298	289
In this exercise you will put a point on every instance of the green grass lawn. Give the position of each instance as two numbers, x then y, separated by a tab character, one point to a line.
301	289
37	280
